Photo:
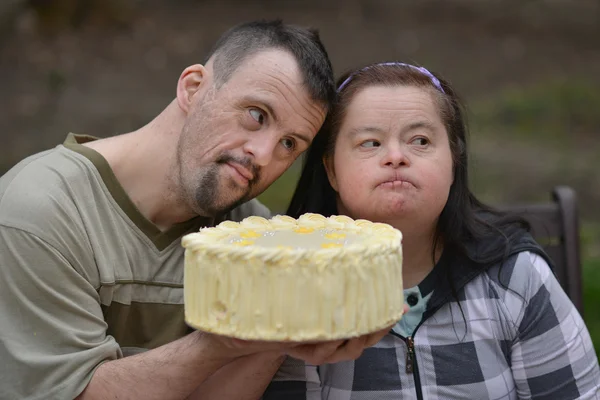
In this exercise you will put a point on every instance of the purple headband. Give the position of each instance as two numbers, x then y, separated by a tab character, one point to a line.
434	80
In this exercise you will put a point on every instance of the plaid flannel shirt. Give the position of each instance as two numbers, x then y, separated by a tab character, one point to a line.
516	335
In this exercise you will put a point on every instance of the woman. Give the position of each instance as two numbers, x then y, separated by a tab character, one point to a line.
487	317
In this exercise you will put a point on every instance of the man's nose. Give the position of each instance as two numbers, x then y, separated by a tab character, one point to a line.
261	148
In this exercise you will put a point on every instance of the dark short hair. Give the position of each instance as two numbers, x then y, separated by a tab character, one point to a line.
464	218
304	44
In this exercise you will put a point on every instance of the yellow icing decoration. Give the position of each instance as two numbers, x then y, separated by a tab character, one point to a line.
303	230
335	235
331	245
249	234
244	243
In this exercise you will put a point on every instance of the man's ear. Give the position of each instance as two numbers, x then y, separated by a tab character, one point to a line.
328	163
192	79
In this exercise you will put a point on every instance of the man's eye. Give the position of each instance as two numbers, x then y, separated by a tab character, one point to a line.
370	143
257	115
289	144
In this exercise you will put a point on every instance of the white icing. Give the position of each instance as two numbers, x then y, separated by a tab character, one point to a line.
317	239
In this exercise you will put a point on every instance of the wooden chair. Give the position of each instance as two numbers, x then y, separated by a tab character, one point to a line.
555	226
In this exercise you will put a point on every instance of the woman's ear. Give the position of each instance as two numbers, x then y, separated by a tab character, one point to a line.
328	163
192	79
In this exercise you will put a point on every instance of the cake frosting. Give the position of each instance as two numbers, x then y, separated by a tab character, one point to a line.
285	279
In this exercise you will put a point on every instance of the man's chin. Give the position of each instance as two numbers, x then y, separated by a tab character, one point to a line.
224	208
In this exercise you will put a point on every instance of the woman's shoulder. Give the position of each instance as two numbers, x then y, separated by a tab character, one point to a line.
522	272
527	287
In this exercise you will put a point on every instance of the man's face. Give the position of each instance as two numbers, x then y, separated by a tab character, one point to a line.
238	139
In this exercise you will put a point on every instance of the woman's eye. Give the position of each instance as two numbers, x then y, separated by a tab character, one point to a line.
370	143
257	115
289	144
421	141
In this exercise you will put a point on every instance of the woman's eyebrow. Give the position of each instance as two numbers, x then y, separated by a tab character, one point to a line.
366	129
419	125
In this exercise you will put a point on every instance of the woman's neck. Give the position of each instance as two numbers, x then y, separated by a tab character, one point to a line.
418	258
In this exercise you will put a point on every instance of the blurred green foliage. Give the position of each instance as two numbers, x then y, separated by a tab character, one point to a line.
591	290
555	112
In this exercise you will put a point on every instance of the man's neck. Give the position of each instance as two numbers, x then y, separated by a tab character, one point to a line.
143	162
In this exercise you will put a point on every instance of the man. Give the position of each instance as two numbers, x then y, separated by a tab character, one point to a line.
91	266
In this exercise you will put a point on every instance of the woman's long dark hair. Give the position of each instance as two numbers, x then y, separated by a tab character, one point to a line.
464	219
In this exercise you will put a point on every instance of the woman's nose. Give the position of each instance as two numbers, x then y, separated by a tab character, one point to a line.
395	156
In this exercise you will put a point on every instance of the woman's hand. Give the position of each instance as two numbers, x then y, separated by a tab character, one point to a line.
339	350
314	353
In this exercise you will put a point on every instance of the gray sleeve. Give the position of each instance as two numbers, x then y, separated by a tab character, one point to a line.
52	331
553	355
295	380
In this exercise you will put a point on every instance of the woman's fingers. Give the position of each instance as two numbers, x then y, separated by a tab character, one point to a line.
349	350
315	354
375	337
312	353
336	351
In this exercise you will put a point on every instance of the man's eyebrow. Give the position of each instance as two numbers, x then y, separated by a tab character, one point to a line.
301	137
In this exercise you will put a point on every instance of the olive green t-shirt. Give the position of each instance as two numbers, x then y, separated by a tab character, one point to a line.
84	277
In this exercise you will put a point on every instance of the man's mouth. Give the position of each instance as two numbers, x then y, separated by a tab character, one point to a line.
240	174
242	170
245	172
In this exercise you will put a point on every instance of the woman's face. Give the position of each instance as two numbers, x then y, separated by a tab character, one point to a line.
392	161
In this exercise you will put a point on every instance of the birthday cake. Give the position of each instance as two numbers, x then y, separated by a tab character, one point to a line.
285	279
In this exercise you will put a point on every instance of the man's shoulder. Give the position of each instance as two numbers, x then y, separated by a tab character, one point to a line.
251	208
39	188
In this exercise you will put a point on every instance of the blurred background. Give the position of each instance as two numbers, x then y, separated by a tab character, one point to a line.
529	71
